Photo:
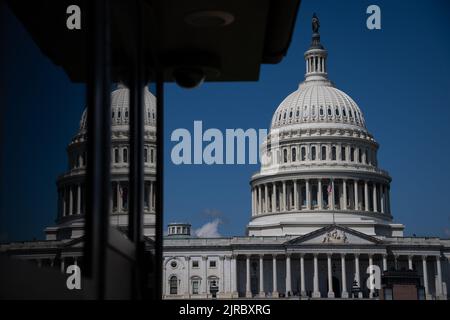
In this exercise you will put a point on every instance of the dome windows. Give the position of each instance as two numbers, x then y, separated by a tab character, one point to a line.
125	155
323	153
313	153
294	154
285	156
329	111
303	154
321	111
333	153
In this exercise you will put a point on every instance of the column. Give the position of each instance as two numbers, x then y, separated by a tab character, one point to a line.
260	206
234	276
375	198
288	275
284	196
119	198
356	195
357	277
410	262
330	277
274	197
372	290
274	276
64	201
344	189
388	200
205	276
316	292
332	195
344	293
308	196
319	194
439	278
262	293
425	277
248	293
302	275
222	273
78	199
70	201
253	201
384	262
382	198
295	195
366	196
188	276
266	198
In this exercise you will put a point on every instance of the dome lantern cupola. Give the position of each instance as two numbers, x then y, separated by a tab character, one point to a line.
316	55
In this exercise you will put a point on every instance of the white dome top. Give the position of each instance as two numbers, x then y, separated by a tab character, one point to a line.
318	104
120	103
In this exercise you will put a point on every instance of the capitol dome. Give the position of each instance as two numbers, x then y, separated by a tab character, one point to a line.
318	104
120	103
71	184
319	163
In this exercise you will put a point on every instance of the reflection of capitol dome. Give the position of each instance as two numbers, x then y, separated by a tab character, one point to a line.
120	109
323	164
71	186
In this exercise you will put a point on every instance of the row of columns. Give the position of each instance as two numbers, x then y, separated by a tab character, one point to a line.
274	197
70	202
71	198
320	152
315	63
344	294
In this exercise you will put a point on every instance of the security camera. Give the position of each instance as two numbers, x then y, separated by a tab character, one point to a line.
189	77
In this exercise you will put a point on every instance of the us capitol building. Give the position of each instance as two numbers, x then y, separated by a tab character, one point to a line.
320	209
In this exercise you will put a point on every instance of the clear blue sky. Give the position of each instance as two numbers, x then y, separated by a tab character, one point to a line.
397	75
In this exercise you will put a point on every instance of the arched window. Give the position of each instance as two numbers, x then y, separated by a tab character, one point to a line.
344	112
323	153
352	154
125	155
152	156
173	285
359	155
343	154
333	153
285	157
290	114
321	111
294	155
313	153
284	116
145	155
116	155
303	153
337	111
350	112
329	111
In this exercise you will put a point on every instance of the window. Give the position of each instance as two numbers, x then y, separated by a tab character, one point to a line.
126	114
343	154
333	153
324	153
352	154
344	112
195	286
151	156
321	111
294	154
173	284
145	155
329	111
313	153
173	264
290	114
116	155
359	156
337	111
125	155
194	263
284	155
212	264
284	116
350	112
303	153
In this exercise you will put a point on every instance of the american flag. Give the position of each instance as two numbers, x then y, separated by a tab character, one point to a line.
330	188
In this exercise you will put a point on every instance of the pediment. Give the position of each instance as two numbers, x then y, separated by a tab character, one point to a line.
334	235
